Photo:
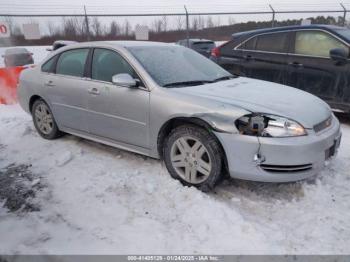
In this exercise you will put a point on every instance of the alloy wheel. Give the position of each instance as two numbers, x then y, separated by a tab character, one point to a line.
43	118
191	160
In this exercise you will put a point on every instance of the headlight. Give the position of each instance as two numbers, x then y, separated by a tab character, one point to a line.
269	126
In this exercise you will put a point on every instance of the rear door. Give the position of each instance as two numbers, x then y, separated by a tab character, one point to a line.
116	112
265	56
67	91
311	68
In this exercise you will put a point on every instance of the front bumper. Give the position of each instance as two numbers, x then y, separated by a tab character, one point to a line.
283	159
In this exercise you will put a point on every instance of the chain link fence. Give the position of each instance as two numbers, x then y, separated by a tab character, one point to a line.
85	24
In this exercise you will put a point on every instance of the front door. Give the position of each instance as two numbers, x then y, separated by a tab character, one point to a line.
115	112
310	67
66	89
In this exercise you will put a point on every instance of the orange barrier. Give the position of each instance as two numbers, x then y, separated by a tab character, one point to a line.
8	83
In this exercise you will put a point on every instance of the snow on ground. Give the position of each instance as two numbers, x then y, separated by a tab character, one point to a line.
95	199
39	53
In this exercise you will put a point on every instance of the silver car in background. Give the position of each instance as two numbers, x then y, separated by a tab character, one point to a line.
169	102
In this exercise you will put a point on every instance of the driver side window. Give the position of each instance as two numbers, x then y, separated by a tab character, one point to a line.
107	63
306	41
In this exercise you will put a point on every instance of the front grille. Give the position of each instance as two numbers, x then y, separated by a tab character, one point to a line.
323	125
286	169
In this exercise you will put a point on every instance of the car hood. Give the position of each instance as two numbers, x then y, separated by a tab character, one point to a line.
264	97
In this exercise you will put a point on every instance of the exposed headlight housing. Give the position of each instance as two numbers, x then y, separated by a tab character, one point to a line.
266	125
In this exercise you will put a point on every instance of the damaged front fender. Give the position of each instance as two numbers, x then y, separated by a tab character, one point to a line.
222	121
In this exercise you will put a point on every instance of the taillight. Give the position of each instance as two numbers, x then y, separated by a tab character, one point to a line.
215	52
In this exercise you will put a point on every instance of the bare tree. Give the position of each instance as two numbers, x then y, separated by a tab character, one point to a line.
201	22
194	23
52	29
179	22
73	27
96	26
210	22
69	27
157	25
114	29
127	28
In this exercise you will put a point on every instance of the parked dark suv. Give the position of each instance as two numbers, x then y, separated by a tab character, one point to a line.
314	58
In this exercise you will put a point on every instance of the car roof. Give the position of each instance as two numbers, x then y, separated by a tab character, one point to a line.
108	44
287	28
125	44
16	50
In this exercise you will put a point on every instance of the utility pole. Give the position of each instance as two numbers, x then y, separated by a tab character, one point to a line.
344	16
87	24
273	16
187	27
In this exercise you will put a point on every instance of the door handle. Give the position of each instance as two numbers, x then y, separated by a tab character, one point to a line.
49	83
295	64
94	91
248	57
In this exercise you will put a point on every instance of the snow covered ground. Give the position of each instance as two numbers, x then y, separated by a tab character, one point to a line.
94	199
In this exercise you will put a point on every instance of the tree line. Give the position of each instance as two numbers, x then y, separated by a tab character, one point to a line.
75	28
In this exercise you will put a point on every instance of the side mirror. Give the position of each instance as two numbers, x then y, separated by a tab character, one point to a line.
339	55
124	80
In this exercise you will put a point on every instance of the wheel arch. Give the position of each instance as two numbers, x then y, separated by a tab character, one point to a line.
178	121
32	99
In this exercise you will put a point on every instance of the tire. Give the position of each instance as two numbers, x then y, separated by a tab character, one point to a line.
199	163
44	121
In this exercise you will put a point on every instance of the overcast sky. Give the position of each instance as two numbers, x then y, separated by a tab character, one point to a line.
139	6
168	6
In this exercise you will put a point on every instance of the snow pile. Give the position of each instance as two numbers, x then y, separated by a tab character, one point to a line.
102	200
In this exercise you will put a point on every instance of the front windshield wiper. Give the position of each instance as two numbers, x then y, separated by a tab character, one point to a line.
224	78
187	83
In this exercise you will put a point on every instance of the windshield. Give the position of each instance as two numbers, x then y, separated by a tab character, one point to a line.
344	32
176	64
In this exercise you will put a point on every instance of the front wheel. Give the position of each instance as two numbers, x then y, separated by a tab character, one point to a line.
44	121
193	156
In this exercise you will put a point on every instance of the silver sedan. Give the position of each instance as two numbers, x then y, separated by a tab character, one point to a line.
167	101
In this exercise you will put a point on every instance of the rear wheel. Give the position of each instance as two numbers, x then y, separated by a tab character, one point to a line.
44	121
193	156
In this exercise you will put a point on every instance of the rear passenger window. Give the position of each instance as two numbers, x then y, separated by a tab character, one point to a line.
227	48
276	42
72	62
249	45
48	67
107	63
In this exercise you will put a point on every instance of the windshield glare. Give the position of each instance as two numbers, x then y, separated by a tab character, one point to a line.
174	64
